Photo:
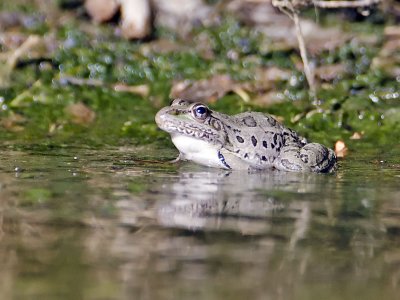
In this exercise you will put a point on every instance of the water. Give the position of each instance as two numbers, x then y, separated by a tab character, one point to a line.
79	223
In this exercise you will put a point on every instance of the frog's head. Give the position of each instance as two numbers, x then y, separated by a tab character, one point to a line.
195	120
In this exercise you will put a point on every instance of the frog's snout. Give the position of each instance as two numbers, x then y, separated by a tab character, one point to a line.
160	117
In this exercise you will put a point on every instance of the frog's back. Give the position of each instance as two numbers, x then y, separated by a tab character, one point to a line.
255	137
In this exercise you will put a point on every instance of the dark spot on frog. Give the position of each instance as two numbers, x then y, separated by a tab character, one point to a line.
304	158
263	158
249	121
240	139
217	126
246	155
265	144
275	138
279	146
254	140
236	130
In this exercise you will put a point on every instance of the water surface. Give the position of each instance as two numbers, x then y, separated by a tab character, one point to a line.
82	223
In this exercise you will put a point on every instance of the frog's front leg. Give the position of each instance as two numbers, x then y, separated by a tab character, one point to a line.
312	157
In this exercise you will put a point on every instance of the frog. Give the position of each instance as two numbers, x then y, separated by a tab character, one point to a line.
245	141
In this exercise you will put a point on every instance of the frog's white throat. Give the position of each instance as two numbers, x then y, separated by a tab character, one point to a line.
199	151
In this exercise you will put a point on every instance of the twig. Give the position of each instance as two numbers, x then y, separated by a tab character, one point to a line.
12	59
142	90
308	71
292	7
293	14
325	4
345	4
30	42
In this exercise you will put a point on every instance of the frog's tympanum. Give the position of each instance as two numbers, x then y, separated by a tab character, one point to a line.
250	140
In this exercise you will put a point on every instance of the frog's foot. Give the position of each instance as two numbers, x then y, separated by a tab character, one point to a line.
176	160
312	157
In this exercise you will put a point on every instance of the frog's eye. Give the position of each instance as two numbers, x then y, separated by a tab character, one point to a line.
200	111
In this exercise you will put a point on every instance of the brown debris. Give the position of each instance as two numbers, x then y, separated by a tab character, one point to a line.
272	74
135	15
264	85
329	73
27	45
11	40
389	56
182	15
14	122
9	20
340	149
135	19
205	90
14	55
80	113
357	135
266	77
269	98
101	10
214	88
161	46
142	90
280	30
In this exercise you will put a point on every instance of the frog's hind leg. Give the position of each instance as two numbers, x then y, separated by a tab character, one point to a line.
312	157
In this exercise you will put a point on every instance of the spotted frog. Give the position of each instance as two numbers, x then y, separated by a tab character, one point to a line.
249	140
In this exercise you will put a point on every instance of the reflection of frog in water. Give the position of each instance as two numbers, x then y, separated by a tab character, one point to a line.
222	200
247	140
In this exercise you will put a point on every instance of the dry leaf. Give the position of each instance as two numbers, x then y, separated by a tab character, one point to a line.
392	31
80	113
330	72
14	122
205	90
54	127
389	55
142	90
340	148
161	46
269	98
356	136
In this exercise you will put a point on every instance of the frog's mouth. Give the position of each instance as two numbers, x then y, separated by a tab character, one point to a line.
169	121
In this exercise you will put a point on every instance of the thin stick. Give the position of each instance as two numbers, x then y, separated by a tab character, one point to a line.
29	43
345	4
325	4
291	9
308	71
288	8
